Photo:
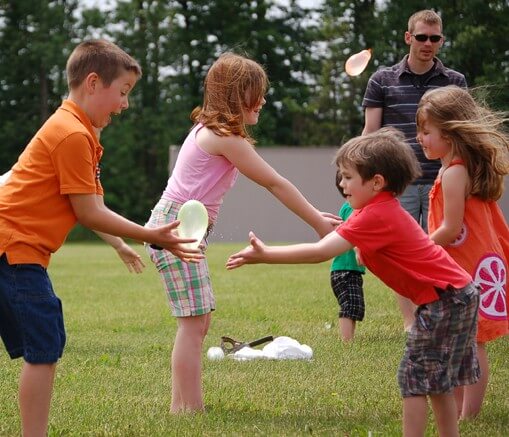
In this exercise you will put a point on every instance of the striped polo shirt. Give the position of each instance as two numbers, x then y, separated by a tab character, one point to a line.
398	91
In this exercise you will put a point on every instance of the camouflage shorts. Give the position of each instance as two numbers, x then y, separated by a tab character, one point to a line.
441	348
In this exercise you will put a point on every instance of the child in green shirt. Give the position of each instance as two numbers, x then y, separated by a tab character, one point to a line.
346	282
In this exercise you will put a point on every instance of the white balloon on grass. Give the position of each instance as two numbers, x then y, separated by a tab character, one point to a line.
358	62
215	353
194	221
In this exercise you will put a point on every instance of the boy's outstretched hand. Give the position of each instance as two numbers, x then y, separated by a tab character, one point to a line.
130	258
252	254
167	239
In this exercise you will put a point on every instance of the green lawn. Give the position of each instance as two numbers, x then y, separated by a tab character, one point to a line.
113	379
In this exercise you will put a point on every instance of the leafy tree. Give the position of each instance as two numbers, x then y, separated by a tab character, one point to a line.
347	29
477	44
311	100
176	42
34	45
271	34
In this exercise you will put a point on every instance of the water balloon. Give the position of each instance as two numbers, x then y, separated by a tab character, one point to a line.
215	353
194	221
358	62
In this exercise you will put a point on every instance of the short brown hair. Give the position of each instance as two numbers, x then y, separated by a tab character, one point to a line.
99	56
384	152
233	83
426	16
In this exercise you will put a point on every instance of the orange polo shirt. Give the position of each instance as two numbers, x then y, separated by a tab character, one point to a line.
35	212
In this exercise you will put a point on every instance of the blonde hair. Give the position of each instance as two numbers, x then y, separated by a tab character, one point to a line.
476	134
426	16
98	56
233	83
384	152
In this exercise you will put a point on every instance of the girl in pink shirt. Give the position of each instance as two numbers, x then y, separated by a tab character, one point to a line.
216	149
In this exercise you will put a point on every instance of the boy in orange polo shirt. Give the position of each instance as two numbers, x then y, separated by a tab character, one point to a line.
54	184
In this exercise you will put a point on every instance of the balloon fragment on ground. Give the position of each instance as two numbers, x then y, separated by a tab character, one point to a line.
282	348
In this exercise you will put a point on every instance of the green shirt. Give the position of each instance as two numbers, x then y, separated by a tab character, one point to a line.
347	260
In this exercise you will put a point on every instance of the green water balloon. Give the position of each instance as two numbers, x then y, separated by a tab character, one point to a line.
194	221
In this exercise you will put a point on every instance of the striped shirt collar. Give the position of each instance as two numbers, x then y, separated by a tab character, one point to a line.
402	67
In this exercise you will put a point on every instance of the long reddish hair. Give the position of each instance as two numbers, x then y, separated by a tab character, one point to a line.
233	83
476	133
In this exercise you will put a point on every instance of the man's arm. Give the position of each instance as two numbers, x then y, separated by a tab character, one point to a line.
372	119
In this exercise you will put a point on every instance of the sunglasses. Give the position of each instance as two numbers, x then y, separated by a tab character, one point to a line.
421	37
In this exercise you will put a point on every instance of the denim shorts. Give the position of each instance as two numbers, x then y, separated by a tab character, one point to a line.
31	319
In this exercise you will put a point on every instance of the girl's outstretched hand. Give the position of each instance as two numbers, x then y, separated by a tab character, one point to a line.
334	220
252	254
330	222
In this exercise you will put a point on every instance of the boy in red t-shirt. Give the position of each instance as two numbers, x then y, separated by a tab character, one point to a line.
54	184
440	352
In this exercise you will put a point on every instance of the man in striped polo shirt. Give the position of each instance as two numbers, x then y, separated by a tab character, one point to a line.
391	99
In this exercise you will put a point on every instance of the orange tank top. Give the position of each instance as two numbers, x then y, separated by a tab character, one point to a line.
482	249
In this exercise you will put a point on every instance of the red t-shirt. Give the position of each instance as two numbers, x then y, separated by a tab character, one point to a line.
396	249
35	212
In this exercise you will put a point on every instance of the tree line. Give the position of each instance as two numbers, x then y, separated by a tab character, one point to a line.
311	100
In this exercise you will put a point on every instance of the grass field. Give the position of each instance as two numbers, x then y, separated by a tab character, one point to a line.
113	379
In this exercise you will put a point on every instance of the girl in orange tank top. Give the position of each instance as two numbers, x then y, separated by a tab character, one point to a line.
464	216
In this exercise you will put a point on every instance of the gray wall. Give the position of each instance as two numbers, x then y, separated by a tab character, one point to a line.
247	206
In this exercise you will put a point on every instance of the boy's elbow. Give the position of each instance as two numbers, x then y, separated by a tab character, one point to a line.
86	209
87	218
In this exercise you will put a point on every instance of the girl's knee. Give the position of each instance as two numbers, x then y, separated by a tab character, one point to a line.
195	326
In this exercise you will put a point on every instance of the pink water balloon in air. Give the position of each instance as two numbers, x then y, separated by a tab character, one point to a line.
358	62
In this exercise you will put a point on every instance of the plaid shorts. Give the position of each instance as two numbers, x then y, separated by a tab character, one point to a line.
187	285
347	287
441	348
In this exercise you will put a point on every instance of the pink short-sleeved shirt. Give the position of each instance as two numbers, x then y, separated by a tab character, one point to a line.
396	249
201	176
